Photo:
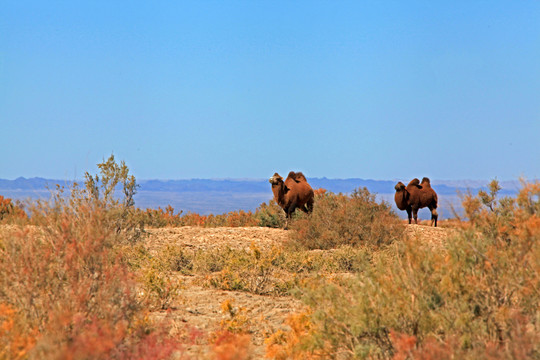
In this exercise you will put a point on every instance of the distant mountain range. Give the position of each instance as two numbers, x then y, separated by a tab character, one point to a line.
217	196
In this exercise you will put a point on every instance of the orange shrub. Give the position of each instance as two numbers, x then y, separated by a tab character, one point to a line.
16	338
68	291
10	211
193	219
241	218
160	217
231	346
284	345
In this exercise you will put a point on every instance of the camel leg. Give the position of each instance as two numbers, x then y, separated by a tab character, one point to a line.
289	212
415	215
291	209
286	219
310	206
409	214
434	216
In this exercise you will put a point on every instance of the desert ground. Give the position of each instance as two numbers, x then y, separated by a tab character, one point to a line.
199	307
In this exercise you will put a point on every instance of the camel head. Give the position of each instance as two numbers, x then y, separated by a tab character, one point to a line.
400	186
276	179
402	195
278	187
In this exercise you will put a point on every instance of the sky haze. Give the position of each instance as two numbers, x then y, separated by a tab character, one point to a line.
242	89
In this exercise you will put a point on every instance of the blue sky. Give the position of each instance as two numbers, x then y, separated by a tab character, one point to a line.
242	89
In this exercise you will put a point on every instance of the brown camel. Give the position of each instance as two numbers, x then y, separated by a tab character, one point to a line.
415	196
293	193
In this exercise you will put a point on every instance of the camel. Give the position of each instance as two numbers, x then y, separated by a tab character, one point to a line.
415	196
293	193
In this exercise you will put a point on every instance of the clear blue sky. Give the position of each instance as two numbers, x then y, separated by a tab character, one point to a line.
241	89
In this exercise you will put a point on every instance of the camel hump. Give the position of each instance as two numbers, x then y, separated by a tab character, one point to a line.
415	182
297	176
426	181
300	176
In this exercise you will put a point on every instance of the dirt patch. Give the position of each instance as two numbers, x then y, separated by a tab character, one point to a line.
435	236
200	308
206	238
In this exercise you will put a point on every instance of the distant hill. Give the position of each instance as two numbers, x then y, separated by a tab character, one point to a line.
217	196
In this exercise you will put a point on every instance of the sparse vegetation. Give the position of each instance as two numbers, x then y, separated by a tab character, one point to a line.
10	212
82	278
66	290
475	297
267	215
339	219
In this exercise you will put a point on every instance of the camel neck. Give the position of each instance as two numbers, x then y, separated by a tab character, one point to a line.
279	193
405	193
403	202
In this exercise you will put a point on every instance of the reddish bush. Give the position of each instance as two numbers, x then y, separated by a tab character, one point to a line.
73	293
10	211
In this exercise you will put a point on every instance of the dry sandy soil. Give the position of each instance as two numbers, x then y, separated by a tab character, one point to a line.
200	308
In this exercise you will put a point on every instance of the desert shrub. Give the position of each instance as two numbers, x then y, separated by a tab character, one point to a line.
11	212
158	288
250	270
340	260
476	297
284	345
99	192
66	289
238	218
176	259
71	292
159	217
236	318
340	219
266	271
193	219
241	218
17	337
101	188
231	346
267	215
270	215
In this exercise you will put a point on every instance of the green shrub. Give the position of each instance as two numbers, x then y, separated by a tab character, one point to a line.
258	270
270	215
251	270
339	219
158	288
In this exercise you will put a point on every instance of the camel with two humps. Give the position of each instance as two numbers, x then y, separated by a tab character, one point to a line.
414	196
292	193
